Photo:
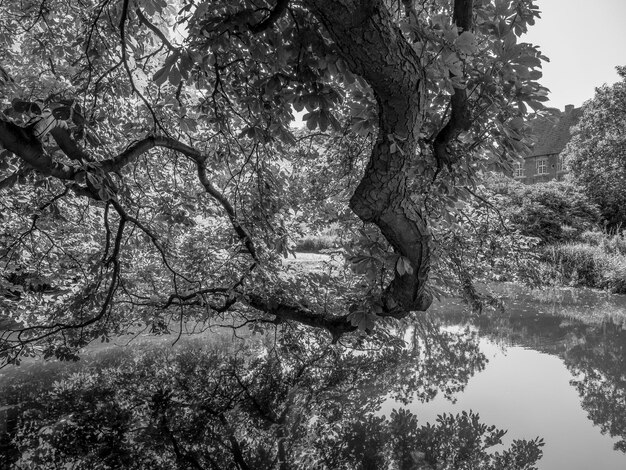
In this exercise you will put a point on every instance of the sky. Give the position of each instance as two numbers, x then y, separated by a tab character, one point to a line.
584	41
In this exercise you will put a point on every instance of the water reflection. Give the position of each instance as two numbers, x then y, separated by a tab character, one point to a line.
586	330
280	401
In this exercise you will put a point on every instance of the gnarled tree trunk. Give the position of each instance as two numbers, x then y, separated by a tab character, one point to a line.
373	46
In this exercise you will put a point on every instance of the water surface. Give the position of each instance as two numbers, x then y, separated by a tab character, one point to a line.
556	369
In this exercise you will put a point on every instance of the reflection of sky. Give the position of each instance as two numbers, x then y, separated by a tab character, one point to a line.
529	394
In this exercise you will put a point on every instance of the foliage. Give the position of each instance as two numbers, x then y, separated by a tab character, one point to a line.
553	212
581	264
462	441
316	243
150	172
483	245
326	239
596	155
611	243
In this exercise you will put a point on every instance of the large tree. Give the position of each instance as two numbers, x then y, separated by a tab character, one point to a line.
150	169
596	154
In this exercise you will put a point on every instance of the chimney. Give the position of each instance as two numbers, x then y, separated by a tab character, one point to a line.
569	108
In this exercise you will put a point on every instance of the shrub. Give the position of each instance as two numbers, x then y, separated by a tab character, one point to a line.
556	211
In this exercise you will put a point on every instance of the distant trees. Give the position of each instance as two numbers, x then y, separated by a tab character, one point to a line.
596	155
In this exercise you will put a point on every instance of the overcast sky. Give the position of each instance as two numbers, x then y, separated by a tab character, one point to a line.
584	40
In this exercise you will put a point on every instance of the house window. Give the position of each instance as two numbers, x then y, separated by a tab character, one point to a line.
542	166
518	170
560	165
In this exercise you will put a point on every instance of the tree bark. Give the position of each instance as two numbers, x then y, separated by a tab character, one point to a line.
373	47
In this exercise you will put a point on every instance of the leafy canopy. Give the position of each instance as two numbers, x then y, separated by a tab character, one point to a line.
150	171
596	155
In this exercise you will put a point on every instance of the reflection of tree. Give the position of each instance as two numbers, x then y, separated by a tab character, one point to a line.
599	364
273	403
594	353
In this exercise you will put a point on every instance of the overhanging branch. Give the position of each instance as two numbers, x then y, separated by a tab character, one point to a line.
459	113
336	326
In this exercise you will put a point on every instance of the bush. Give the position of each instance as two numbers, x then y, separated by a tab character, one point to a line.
581	264
614	243
554	212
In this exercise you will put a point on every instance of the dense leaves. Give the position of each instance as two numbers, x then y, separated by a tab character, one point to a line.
596	154
150	170
553	212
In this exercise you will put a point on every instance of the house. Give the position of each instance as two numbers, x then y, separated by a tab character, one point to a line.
545	162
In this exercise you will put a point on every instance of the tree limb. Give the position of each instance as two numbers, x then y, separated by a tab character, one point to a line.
275	14
459	115
67	144
368	39
336	326
23	142
155	30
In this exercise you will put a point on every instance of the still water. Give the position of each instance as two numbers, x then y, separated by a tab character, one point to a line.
556	369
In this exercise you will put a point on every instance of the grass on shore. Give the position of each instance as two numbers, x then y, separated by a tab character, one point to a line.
598	260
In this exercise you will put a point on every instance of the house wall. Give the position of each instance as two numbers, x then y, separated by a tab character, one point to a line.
530	170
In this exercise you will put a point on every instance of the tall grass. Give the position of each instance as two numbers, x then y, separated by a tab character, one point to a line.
316	243
598	260
324	240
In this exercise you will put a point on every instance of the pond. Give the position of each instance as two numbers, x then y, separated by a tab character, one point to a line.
556	368
553	365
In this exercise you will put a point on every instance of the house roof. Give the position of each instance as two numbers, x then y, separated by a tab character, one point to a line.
554	133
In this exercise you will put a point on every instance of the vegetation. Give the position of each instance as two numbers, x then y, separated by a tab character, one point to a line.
596	154
327	239
553	212
149	173
598	261
151	179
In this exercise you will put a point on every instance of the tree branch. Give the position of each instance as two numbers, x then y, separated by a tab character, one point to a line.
275	14
459	115
241	232
23	142
336	326
67	144
155	30
368	38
